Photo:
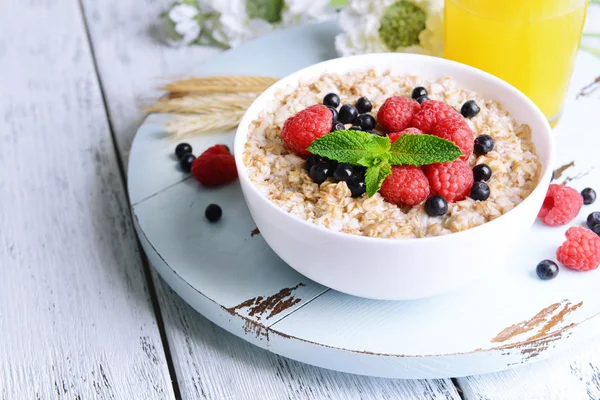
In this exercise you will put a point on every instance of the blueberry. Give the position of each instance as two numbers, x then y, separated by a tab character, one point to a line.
480	191
436	206
589	196
227	147
357	187
359	172
319	173
482	172
186	162
419	91
546	270
593	219
366	122
213	212
483	145
469	109
182	149
363	105
551	179
596	229
421	99
334	113
348	114
355	128
313	159
338	126
332	100
342	172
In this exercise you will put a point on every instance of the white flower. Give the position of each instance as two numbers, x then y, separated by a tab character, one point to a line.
183	26
304	11
235	25
374	26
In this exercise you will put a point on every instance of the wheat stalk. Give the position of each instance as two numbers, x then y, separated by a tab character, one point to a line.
181	126
224	102
221	84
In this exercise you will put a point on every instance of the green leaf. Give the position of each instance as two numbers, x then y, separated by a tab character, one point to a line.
422	150
375	176
352	147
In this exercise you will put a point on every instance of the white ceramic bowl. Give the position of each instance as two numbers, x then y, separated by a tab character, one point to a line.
398	269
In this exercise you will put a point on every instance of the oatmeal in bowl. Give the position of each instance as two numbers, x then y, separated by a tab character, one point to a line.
376	175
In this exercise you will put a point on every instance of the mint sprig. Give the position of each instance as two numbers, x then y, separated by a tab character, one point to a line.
378	155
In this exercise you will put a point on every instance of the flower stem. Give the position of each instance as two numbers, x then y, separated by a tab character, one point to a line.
595	34
592	50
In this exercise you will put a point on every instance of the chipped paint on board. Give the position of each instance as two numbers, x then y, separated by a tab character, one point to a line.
270	306
559	171
542	322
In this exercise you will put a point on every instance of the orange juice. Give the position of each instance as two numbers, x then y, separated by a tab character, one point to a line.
529	43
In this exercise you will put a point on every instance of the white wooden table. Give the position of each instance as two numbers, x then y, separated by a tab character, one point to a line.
82	316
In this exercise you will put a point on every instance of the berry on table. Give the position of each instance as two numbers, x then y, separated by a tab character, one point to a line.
332	100
396	113
560	206
319	172
456	130
596	229
436	206
452	180
215	167
347	114
363	105
480	191
338	127
213	213
589	196
430	113
357	186
407	185
182	149
419	91
366	122
302	129
593	219
313	159
421	99
546	270
482	173
395	135
469	109
483	145
343	172
186	162
334	115
581	250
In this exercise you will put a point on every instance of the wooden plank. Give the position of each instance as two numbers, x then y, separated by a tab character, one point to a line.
209	362
573	376
76	320
213	364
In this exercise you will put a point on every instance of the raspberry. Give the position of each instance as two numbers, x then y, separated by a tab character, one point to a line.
215	167
407	185
452	180
396	113
431	113
217	149
561	205
581	250
394	136
300	130
458	132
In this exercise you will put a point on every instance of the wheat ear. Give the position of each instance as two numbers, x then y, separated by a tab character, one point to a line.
221	84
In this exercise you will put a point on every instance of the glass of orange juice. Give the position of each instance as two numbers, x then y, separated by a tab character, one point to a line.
529	43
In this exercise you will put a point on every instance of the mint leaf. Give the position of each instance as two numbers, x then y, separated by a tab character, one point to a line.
422	150
375	176
352	147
